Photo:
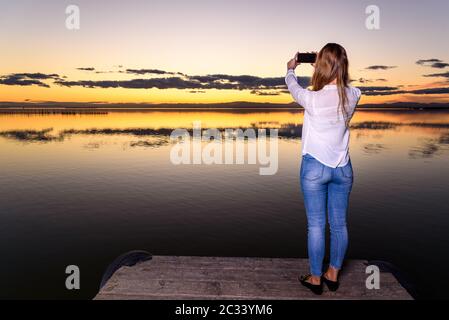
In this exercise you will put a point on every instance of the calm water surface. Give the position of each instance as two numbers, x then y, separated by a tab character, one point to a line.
83	189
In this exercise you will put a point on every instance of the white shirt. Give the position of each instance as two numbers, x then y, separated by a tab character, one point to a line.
324	132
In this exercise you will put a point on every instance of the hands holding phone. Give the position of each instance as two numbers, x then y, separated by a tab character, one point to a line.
293	63
302	58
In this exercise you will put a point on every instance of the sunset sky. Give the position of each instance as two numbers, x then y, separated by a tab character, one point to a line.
216	51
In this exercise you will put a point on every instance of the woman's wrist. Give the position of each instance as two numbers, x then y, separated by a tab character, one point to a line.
292	64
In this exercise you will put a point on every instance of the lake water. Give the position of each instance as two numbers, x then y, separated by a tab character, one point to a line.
83	189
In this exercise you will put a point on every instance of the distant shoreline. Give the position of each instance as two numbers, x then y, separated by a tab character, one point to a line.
94	107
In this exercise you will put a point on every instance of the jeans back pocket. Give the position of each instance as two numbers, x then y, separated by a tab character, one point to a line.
311	169
347	171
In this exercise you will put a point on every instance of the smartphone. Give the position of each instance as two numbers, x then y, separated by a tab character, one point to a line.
306	57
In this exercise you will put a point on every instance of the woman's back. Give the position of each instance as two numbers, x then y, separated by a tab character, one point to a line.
325	134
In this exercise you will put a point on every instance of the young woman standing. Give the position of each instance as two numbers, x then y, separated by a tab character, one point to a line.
326	173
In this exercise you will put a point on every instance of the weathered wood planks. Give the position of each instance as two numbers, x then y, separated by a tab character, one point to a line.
168	277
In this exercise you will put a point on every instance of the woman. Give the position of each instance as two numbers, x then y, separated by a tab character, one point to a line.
326	171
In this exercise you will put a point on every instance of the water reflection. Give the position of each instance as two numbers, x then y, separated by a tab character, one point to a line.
84	189
424	147
374	125
150	143
374	148
32	135
428	147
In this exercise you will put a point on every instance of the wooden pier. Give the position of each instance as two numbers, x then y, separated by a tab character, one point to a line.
169	277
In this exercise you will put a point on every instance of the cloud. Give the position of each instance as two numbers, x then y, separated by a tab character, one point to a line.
364	80
380	67
215	81
433	63
242	82
173	80
443	90
86	69
380	91
425	61
92	69
444	75
38	75
197	91
151	71
260	86
385	91
374	88
440	65
131	71
28	79
265	93
159	83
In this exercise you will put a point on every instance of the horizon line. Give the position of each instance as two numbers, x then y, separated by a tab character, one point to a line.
216	105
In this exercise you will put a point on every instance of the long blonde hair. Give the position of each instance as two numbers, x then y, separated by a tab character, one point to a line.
332	63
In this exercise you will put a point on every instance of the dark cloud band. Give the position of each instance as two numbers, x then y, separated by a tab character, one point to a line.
28	79
150	71
437	75
216	81
380	67
433	63
86	69
385	91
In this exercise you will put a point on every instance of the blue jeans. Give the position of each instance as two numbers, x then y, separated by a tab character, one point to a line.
325	189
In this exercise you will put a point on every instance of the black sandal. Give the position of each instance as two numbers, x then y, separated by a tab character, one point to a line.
332	285
315	288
